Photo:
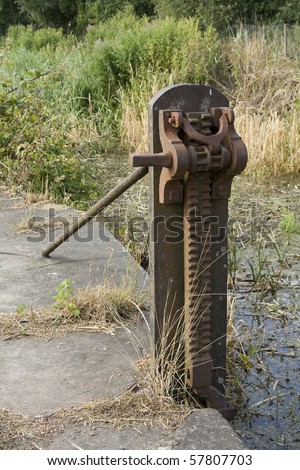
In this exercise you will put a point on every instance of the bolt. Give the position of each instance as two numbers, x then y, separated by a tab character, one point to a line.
176	119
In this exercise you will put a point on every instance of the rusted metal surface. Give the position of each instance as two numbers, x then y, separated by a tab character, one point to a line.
194	153
198	283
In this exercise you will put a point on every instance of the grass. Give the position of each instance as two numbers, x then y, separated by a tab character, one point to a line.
289	223
127	410
272	141
15	431
103	307
31	223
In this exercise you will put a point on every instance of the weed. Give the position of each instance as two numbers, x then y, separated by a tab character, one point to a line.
259	268
21	309
233	263
34	40
288	222
42	162
64	291
281	252
63	298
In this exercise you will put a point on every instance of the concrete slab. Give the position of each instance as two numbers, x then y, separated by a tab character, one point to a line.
86	258
40	377
202	430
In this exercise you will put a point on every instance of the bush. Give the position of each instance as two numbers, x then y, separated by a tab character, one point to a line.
35	151
168	46
34	40
117	25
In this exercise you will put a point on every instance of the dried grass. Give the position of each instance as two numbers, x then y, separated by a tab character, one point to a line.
265	96
273	142
134	108
13	428
272	138
103	307
32	223
126	410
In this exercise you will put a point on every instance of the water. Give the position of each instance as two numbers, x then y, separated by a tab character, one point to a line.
270	417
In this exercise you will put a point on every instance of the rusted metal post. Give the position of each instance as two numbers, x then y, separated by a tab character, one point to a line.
194	153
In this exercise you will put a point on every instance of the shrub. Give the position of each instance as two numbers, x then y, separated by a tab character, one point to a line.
168	46
34	40
36	153
123	21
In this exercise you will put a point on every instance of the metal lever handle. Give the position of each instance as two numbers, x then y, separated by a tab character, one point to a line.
155	159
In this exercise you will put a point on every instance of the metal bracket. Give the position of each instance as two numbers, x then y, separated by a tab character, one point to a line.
195	151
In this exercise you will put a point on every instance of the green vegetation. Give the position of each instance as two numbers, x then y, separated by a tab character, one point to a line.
66	102
75	82
63	298
61	100
21	309
289	223
76	15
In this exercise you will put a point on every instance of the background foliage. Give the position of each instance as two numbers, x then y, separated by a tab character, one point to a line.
76	15
67	100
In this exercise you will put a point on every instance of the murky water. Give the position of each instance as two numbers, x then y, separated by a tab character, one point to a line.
271	415
268	320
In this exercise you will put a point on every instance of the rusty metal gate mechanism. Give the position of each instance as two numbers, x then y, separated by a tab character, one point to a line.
194	154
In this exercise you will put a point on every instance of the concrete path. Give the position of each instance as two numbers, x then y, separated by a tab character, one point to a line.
28	278
39	377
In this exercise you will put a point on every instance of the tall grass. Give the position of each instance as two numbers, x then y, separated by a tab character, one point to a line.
134	107
267	98
62	98
273	142
264	88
